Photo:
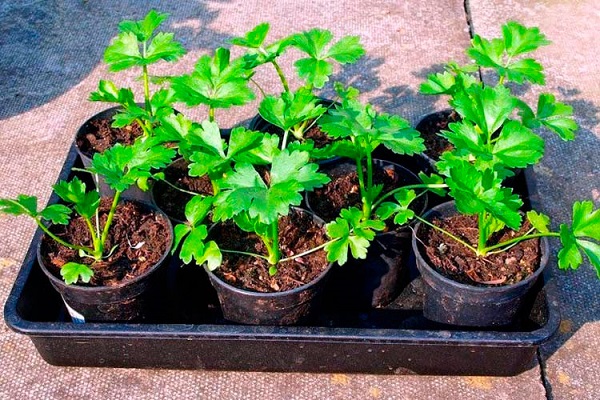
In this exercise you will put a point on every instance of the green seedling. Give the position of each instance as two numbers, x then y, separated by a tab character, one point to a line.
138	45
121	166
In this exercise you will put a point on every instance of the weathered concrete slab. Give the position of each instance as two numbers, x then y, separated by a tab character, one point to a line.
51	60
569	172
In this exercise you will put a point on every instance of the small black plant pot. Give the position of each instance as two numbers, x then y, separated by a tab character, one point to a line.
288	307
128	301
134	192
374	282
450	302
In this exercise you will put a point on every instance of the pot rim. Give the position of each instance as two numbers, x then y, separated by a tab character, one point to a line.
99	289
274	294
544	248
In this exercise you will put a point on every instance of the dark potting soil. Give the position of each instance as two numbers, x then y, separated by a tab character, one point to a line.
343	190
102	136
458	263
429	128
314	133
140	237
173	201
297	233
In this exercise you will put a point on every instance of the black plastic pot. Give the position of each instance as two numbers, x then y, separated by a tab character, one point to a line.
127	301
454	303
376	280
289	307
133	192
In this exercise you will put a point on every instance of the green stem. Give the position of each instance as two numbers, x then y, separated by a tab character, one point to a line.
445	232
245	254
97	253
408	187
211	114
482	239
366	206
274	254
285	138
369	170
180	189
520	239
308	251
259	87
146	83
281	76
59	240
111	214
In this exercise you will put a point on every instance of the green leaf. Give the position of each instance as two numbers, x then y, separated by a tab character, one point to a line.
145	28
216	82
72	272
123	52
517	146
439	83
316	69
586	221
193	245
592	251
539	221
526	69
519	39
197	209
253	39
57	214
291	109
22	205
180	231
74	192
488	108
556	116
569	256
433	179
352	234
490	225
163	47
396	134
212	256
400	209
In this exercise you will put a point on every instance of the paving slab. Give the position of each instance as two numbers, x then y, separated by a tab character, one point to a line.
50	60
569	171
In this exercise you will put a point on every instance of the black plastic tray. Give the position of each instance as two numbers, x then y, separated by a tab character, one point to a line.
187	331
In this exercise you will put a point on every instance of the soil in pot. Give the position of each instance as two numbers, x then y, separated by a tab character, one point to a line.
97	134
172	201
343	190
430	127
460	264
298	232
122	286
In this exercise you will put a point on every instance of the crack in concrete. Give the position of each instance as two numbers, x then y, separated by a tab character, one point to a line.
544	376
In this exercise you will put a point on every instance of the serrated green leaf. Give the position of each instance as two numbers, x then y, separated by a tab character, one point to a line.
396	134
313	42
123	52
439	83
216	82
586	221
197	209
253	39
556	116
72	272
465	137
539	221
291	109
163	47
433	179
347	50
517	146
22	205
107	91
592	251
569	256
57	214
212	256
180	231
519	39
193	245
144	28
314	72
522	70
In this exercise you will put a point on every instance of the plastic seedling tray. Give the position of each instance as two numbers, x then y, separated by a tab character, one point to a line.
187	331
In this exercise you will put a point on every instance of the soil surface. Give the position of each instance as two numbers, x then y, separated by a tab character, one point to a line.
173	201
343	190
140	237
430	126
100	136
458	263
297	233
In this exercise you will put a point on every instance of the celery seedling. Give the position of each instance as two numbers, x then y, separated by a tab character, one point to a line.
138	45
121	166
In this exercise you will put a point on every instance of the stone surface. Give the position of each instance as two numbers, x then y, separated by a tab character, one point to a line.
52	59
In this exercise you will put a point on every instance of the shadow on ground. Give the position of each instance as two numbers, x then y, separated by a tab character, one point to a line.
50	46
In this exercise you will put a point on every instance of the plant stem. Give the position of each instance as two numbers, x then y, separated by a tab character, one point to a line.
146	82
274	254
445	232
304	253
211	114
285	138
97	253
245	254
180	189
408	187
481	218
59	240
111	215
366	207
281	76
520	239
259	87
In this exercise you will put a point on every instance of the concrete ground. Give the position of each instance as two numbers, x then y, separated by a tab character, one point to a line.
51	59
